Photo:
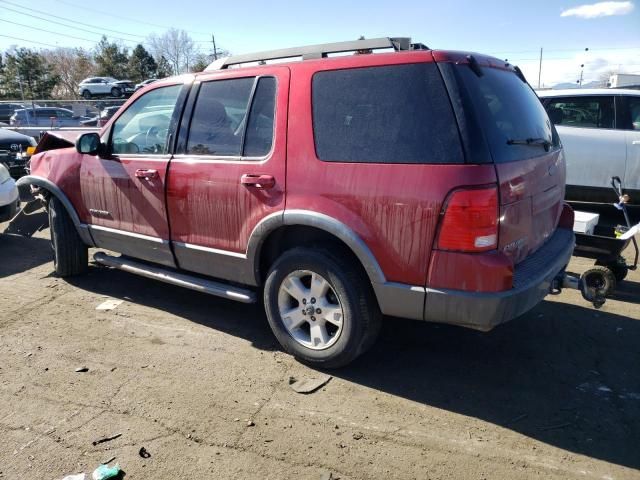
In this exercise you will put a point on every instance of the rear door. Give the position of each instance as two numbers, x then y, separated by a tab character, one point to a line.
526	152
629	121
229	171
124	189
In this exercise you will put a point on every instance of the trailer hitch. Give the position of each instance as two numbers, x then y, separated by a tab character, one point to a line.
592	291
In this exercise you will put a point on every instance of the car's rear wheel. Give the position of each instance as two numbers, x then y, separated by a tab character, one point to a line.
320	307
116	92
86	94
70	254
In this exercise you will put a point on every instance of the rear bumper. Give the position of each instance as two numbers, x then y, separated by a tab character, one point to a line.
531	282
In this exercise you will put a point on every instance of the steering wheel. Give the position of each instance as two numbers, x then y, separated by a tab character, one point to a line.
149	146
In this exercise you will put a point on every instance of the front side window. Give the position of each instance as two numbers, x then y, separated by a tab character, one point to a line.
585	112
144	127
390	114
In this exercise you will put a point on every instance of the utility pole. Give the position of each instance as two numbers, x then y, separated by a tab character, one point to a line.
215	50
540	68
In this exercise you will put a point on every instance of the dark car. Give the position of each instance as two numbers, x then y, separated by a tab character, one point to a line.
7	109
102	119
13	151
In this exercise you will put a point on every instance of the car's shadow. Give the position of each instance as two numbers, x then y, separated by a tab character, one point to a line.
563	374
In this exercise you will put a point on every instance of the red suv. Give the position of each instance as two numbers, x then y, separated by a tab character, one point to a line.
412	183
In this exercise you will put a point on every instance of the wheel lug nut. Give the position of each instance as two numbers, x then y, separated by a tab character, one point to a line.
304	312
304	301
318	311
313	319
313	300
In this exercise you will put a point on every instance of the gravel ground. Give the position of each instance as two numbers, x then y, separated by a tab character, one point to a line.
201	384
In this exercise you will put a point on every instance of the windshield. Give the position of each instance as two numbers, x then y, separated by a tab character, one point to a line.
514	121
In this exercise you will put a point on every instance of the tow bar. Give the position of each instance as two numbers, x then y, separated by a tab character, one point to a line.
593	292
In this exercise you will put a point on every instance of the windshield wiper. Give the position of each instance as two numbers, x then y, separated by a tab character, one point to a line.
533	142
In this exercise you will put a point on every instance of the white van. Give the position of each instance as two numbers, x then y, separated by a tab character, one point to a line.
600	132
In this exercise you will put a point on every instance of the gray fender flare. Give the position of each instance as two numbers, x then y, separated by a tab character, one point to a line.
395	299
54	190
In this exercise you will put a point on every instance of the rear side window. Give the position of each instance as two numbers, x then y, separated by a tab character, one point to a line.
629	118
391	114
509	112
216	126
226	114
585	112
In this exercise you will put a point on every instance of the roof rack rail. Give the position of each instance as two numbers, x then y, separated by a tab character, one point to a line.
318	51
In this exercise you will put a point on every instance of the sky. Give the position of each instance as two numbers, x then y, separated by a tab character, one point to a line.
513	30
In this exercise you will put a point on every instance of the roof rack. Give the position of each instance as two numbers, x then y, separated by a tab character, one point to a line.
318	51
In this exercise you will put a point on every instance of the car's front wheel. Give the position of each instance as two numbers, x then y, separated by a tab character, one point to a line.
116	92
70	254
321	307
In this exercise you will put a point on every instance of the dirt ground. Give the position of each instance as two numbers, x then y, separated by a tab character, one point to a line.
201	384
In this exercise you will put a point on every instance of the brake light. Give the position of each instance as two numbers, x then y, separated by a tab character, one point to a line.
470	222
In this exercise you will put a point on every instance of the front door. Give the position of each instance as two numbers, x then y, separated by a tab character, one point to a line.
124	190
229	170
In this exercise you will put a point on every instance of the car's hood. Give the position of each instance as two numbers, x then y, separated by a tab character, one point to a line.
10	136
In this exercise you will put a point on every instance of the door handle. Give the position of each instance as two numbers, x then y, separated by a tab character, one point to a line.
258	181
147	173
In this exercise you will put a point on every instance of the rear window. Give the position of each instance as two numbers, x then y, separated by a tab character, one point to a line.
390	114
508	110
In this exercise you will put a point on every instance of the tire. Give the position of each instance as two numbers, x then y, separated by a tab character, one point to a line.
86	94
619	269
356	315
599	279
70	254
116	92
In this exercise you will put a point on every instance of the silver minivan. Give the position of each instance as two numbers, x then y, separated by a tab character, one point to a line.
49	117
600	132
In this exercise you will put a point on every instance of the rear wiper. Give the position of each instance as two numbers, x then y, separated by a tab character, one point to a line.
530	141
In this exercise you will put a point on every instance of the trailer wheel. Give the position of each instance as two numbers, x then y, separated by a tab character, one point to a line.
619	268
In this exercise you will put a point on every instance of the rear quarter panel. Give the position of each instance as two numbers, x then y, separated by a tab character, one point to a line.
394	208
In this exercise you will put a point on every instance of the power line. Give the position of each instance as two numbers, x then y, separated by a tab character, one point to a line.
122	17
30	41
47	31
68	20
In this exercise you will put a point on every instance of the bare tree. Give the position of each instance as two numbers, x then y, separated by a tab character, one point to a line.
71	66
177	47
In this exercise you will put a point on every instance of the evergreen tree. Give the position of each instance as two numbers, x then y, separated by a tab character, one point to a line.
26	74
141	65
164	68
111	60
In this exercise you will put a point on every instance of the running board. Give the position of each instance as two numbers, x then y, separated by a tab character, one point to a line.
211	287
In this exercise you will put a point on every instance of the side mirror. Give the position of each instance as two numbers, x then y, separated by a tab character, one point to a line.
88	143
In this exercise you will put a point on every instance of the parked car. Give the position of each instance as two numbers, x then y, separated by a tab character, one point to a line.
105	86
13	151
600	133
49	117
416	183
102	119
9	196
145	83
7	109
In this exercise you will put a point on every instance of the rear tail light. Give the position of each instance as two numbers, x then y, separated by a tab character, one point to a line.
470	221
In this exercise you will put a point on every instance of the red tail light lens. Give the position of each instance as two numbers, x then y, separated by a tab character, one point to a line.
470	222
